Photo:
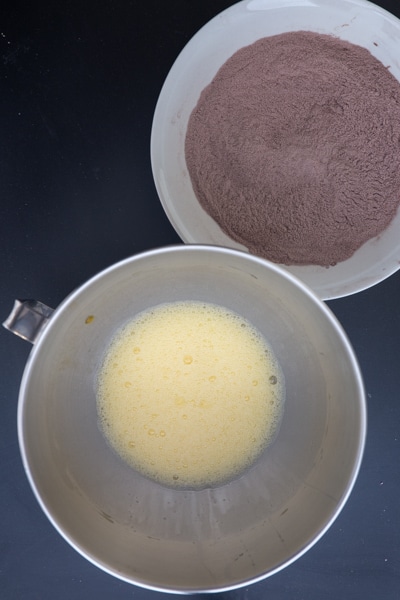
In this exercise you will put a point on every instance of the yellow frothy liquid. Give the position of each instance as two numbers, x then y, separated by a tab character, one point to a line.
189	394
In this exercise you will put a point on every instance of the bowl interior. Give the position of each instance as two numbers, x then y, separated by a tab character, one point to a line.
356	21
186	540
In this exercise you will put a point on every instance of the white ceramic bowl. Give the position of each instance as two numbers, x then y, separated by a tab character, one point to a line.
356	21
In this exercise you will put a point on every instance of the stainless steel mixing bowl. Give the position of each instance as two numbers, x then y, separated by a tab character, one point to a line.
182	540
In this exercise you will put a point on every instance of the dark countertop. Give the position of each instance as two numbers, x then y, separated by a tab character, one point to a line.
79	84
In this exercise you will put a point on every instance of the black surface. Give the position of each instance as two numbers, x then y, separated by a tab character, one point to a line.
79	84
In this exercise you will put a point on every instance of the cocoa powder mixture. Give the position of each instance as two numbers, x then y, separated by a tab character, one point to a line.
294	148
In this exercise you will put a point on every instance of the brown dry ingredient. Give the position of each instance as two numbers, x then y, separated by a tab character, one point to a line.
294	148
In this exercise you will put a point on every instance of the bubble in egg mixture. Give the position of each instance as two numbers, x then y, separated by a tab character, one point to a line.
205	394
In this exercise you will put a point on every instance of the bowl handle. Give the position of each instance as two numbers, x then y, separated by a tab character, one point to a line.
28	318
